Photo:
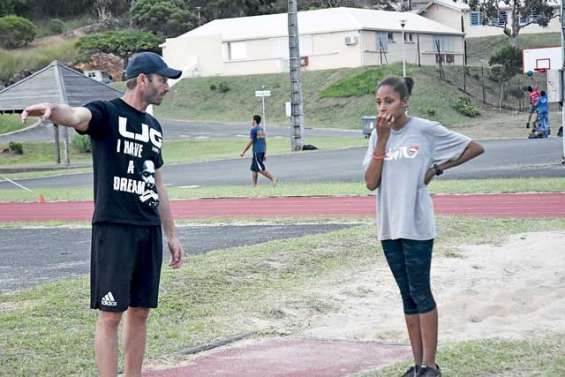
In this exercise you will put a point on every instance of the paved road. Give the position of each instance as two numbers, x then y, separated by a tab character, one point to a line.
55	253
503	159
189	130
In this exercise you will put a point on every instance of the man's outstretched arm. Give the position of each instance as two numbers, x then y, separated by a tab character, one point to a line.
60	114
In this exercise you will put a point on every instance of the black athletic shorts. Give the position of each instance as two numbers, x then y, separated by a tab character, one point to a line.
257	163
125	266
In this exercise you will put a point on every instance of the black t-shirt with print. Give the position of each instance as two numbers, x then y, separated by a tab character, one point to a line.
126	151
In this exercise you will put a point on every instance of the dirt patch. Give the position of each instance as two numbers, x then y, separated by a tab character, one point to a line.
512	290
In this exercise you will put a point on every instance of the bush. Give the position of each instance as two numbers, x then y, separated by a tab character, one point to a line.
82	143
164	17
465	107
430	111
56	26
16	31
15	148
360	84
223	87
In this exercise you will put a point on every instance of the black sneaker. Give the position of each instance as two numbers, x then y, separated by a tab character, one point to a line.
412	371
429	372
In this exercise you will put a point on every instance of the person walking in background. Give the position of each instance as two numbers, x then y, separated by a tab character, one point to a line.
404	155
258	139
533	95
131	205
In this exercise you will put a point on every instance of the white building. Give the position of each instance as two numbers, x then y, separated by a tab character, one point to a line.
329	38
458	15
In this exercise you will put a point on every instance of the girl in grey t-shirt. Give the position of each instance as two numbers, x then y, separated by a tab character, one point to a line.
404	155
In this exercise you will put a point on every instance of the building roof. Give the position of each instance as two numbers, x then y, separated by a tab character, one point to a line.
56	83
464	7
318	21
456	5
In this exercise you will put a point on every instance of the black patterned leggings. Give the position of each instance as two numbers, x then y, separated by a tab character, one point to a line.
410	262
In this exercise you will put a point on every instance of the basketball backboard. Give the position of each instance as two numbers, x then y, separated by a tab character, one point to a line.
542	59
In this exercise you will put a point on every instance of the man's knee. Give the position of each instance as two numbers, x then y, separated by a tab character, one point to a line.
110	320
138	314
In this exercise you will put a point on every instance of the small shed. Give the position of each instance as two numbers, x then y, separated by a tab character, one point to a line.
56	83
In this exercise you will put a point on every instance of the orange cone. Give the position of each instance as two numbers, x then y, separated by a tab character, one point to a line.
41	199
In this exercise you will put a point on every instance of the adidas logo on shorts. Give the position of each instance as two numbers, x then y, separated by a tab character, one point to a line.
109	300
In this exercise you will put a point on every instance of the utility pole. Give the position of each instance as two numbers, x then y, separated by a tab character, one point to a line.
297	107
562	79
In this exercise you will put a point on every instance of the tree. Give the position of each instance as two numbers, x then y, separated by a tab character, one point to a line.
506	63
13	7
538	12
103	9
165	17
122	43
16	31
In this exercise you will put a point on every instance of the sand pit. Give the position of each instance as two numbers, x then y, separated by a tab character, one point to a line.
512	290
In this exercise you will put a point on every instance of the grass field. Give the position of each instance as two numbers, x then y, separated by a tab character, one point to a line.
47	330
9	123
304	189
182	151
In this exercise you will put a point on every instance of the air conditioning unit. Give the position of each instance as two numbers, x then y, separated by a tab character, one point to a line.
351	41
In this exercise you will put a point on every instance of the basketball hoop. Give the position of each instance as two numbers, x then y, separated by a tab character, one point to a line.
540	70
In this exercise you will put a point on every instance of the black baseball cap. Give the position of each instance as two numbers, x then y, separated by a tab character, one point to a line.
148	63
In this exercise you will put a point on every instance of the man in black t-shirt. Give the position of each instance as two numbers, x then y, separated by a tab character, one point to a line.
131	205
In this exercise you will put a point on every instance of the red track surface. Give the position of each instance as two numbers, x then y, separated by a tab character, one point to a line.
290	358
488	205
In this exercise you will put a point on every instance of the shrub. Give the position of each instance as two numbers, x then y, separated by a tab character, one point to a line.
56	26
16	31
223	87
430	111
464	106
15	148
82	143
213	87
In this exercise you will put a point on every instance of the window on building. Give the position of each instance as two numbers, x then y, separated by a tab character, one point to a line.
502	18
443	42
524	19
280	46
237	50
382	42
408	37
475	18
390	36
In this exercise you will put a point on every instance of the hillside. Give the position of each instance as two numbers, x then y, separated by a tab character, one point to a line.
482	48
195	99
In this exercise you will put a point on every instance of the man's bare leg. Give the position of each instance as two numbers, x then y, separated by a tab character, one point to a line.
415	335
272	178
428	326
135	331
106	343
254	176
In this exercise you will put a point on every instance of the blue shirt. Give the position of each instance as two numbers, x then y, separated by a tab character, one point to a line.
258	136
542	105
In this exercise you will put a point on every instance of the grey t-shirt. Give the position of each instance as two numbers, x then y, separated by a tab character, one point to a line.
404	206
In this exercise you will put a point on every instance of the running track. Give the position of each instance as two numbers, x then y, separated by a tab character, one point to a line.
488	205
